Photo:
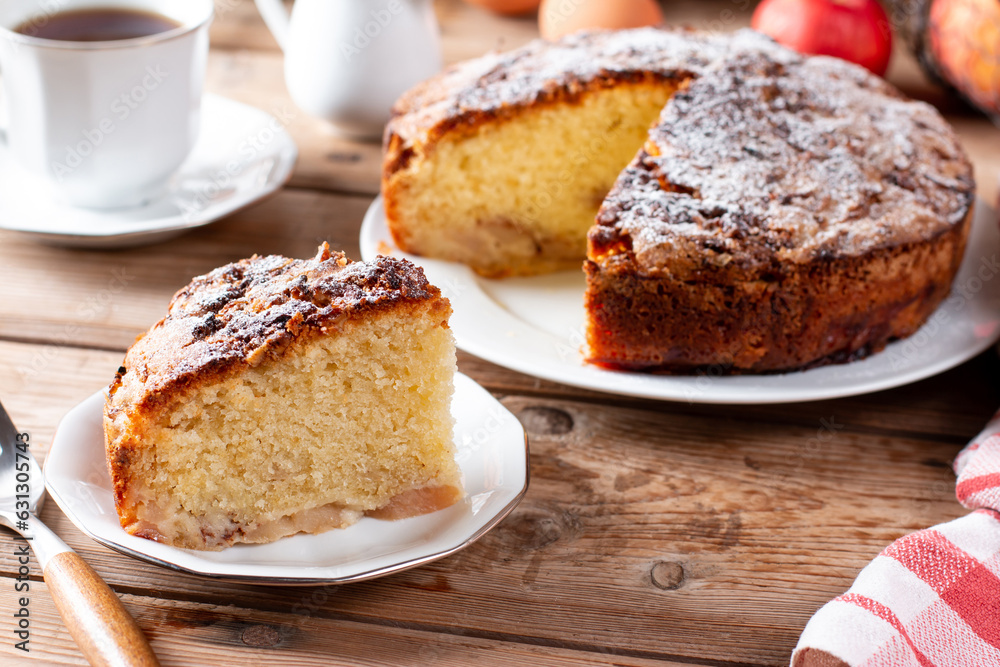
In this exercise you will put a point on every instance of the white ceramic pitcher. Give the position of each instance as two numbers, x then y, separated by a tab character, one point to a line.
349	60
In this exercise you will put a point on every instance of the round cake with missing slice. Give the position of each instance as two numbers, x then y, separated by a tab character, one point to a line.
281	396
767	211
785	212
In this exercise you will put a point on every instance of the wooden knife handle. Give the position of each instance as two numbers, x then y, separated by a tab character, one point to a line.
102	627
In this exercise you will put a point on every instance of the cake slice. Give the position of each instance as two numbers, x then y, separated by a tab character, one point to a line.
281	396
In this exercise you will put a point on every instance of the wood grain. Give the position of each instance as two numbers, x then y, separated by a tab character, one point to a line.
645	533
71	297
653	532
184	633
104	299
105	633
117	295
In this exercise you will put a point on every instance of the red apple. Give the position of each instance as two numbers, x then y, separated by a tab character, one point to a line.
855	30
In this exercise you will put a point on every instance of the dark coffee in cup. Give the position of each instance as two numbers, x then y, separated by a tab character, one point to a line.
97	24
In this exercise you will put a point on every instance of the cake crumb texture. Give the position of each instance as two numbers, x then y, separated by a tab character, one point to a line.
282	396
780	211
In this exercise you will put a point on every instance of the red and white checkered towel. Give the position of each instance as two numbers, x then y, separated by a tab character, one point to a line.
931	597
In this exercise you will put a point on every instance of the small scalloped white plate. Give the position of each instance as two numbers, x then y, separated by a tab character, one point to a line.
536	326
492	454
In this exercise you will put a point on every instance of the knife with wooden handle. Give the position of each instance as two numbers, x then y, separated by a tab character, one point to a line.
103	629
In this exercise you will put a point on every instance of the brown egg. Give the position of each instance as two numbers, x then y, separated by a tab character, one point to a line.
507	7
561	17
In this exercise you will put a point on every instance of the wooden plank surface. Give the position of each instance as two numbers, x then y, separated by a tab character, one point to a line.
104	299
228	634
720	530
653	532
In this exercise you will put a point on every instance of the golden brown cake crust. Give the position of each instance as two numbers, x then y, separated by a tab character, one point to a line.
829	311
480	97
775	160
785	212
499	85
238	317
749	231
243	313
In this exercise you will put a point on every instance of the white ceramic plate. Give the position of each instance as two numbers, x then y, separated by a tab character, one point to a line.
536	326
242	155
492	453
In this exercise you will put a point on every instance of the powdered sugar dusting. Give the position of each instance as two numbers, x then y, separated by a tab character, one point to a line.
766	157
774	158
241	313
502	82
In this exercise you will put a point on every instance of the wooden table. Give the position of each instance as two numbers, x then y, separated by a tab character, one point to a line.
652	533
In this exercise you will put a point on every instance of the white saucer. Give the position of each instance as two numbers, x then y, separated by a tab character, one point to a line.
492	453
242	155
536	326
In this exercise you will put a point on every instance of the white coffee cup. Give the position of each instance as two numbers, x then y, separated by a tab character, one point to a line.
104	124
